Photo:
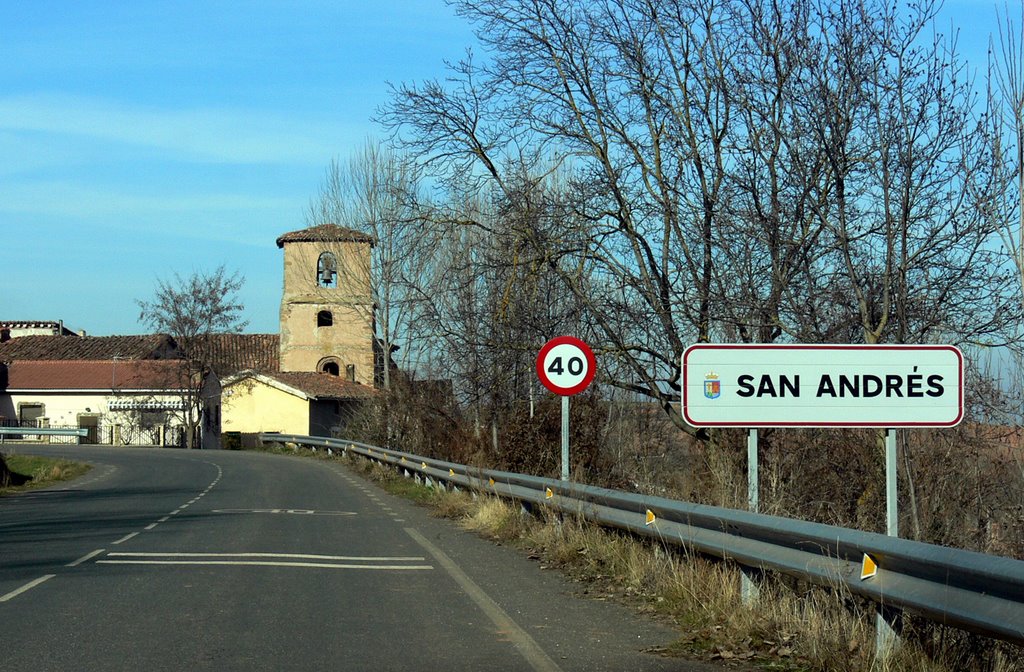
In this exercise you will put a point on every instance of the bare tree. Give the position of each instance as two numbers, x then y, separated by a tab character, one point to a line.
631	103
193	311
736	170
376	192
910	176
1007	72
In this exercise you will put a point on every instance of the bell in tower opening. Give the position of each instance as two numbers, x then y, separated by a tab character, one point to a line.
327	270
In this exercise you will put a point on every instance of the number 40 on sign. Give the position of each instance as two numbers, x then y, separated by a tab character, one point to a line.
566	365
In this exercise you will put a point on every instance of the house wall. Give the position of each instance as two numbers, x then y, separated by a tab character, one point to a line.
59	409
63	409
251	406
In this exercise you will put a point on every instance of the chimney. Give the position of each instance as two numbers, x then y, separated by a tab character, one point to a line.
5	334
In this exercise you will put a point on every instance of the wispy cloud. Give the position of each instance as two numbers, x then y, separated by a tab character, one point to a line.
72	200
200	135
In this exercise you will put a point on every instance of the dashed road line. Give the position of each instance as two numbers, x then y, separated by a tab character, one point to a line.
220	473
87	556
126	538
28	586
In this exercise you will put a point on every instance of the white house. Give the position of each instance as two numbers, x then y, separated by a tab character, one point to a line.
119	402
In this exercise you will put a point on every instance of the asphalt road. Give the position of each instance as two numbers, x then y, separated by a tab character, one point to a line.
211	560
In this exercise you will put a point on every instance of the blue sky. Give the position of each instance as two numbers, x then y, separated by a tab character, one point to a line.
143	139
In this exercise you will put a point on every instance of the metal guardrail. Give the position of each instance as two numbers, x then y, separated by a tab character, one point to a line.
964	589
44	431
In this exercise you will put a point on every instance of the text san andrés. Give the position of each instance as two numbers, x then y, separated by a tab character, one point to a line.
841	386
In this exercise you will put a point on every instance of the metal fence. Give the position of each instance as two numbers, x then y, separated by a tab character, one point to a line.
973	591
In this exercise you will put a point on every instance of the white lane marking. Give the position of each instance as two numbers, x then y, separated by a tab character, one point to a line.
297	512
164	519
300	556
28	586
265	563
523	643
88	556
126	538
151	526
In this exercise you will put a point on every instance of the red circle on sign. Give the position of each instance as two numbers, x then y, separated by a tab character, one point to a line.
577	385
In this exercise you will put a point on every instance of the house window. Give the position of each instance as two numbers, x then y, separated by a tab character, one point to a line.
327	270
350	373
324	318
29	414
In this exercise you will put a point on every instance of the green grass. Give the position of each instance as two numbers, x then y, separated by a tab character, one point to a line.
44	471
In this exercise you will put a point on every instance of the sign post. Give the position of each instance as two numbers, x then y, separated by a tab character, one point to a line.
748	587
885	632
566	366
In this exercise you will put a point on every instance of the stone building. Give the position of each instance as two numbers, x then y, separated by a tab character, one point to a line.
326	306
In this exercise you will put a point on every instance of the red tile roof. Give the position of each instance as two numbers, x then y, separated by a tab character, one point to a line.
146	346
324	233
93	375
324	385
231	353
315	385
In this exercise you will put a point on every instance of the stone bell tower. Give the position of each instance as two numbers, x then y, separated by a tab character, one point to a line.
327	306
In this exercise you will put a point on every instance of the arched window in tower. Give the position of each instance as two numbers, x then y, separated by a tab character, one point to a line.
329	365
327	270
324	319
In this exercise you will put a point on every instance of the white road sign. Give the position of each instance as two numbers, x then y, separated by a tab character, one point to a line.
823	385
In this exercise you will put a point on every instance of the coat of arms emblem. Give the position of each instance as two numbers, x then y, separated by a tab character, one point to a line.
712	386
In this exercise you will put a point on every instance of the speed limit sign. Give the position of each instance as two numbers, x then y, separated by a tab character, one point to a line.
566	365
